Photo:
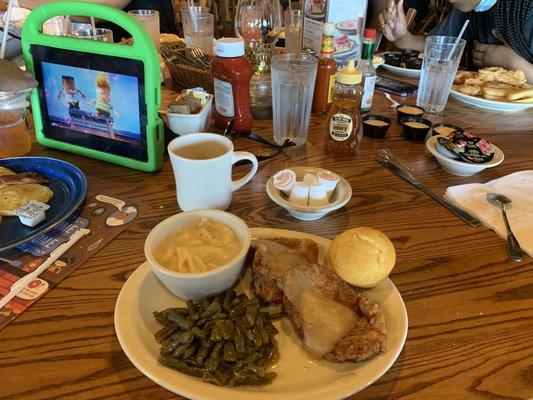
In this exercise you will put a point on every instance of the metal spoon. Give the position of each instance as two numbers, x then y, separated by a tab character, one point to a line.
513	247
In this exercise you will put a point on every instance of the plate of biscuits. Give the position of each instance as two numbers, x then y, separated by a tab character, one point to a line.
493	88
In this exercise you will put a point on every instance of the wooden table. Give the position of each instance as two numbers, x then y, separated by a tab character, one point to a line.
470	308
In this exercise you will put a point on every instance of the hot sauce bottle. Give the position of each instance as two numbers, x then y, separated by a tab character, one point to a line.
325	74
231	74
344	119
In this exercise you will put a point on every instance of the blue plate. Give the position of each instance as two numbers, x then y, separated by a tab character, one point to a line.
66	181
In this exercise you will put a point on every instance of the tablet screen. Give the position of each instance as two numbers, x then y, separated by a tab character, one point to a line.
92	100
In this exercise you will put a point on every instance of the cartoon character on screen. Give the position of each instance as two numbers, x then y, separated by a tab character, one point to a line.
71	93
103	97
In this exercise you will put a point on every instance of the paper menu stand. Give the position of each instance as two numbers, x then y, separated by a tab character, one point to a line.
348	16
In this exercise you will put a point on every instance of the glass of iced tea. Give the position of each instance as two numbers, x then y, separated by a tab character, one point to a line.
14	137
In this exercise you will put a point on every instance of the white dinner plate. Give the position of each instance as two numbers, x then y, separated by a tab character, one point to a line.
490	104
412	73
299	377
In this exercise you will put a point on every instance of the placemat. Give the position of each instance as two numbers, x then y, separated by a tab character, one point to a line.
105	216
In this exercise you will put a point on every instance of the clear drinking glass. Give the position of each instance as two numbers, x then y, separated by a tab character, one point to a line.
293	82
150	20
440	64
57	26
14	137
198	29
179	5
293	31
99	34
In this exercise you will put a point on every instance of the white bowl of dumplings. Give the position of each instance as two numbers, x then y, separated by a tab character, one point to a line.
197	254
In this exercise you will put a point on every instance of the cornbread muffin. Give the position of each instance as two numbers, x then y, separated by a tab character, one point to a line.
362	256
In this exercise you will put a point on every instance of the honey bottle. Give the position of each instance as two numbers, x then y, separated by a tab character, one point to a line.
344	119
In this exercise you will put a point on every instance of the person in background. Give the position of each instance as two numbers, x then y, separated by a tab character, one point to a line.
500	32
21	9
376	6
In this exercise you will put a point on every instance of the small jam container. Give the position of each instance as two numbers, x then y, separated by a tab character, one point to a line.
408	110
375	126
445	129
415	128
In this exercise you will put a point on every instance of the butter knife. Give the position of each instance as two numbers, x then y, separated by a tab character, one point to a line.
464	215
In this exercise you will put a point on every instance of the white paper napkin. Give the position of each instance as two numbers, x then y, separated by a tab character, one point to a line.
518	187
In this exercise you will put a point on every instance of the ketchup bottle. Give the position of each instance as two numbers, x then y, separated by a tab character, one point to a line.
231	73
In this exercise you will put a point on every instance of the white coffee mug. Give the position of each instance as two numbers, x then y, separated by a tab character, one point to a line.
202	164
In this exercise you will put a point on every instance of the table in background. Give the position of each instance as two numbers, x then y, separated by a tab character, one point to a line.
470	308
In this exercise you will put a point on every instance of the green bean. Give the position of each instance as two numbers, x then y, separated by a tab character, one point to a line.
181	366
258	337
215	334
183	337
168	347
239	340
225	340
229	353
178	318
214	358
202	353
190	351
165	332
213	308
191	308
225	328
180	349
237	310
251	314
229	296
199	333
250	335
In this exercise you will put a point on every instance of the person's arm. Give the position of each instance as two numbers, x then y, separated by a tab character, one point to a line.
492	55
31	4
410	41
394	28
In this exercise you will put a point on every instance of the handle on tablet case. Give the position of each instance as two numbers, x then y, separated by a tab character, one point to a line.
141	39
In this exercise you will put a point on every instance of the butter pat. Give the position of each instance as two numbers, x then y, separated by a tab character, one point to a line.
329	180
32	213
310	179
318	196
300	194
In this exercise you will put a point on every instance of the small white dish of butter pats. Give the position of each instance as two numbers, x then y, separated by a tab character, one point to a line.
308	193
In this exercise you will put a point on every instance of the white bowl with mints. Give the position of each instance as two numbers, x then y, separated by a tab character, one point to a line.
457	166
308	193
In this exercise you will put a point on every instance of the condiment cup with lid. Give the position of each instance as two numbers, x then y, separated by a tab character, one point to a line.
197	285
415	128
375	126
408	110
324	198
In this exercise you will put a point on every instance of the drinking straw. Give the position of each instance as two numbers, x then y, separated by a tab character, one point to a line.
457	40
93	23
6	29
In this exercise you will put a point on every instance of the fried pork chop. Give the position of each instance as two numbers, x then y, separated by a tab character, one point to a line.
276	260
